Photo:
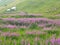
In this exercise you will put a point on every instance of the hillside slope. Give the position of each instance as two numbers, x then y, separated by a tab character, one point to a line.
45	7
5	4
40	6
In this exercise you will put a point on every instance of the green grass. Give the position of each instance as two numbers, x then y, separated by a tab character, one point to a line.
48	8
29	38
38	6
8	5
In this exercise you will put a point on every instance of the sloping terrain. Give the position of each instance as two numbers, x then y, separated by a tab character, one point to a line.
32	22
48	8
5	4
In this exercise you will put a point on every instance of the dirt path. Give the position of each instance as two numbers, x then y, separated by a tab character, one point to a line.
21	14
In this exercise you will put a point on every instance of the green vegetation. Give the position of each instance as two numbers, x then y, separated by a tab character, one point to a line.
20	26
48	8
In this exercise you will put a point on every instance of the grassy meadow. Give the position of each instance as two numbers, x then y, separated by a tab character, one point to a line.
29	22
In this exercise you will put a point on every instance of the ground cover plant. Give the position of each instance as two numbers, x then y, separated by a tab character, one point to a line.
29	22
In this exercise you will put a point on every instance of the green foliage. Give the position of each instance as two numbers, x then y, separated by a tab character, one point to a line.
39	6
33	26
48	8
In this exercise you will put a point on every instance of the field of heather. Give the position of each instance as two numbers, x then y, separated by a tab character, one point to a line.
29	22
29	31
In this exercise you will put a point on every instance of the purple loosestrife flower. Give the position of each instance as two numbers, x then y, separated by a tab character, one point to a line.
28	43
57	22
47	28
8	19
28	32
8	34
27	20
23	27
14	34
11	26
32	20
57	41
41	25
5	34
53	39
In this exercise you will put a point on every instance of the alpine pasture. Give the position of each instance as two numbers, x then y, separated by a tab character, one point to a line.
29	22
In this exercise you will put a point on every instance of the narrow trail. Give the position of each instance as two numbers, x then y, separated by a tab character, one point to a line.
24	14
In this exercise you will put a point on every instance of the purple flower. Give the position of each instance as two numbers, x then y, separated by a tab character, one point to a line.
11	26
28	43
58	41
8	34
32	20
47	28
